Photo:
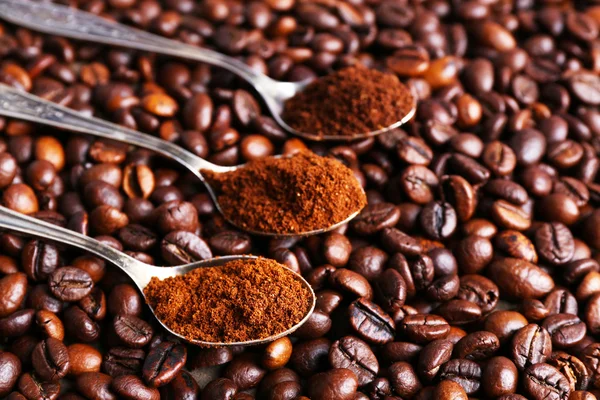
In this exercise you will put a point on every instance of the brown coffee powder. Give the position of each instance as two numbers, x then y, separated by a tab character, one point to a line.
293	194
351	101
239	301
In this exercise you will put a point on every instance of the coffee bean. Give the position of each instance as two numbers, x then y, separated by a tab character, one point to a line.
422	328
50	359
530	345
163	362
32	387
432	357
438	220
520	279
184	386
351	282
95	385
459	193
123	361
181	247
70	284
132	331
356	355
11	369
572	368
132	387
277	353
516	245
375	218
13	289
83	358
566	330
555	243
339	383
499	377
404	379
543	381
465	372
370	322
476	346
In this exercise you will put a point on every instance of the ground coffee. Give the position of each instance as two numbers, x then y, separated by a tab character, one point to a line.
239	301
293	194
351	101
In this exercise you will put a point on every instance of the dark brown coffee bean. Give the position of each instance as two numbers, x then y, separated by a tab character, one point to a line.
395	240
32	387
375	218
516	245
370	322
338	383
163	363
543	381
566	330
132	331
459	193
530	345
438	220
499	377
13	289
132	387
479	290
95	385
11	369
432	357
476	346
422	328
181	247
572	368
404	379
70	284
80	325
351	282
123	361
50	359
554	242
520	279
464	372
356	355
459	312
39	259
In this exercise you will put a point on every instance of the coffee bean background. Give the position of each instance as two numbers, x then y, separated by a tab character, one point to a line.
473	271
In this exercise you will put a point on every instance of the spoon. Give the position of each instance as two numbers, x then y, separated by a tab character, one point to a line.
60	20
22	105
141	273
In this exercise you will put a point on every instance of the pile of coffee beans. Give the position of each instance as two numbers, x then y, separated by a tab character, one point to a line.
472	272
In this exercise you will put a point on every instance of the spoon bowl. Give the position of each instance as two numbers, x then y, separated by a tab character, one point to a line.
61	20
22	105
141	273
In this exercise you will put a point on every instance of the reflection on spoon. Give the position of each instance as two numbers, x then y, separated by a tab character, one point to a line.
142	274
17	104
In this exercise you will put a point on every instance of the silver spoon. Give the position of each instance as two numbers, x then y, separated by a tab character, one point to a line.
139	272
18	104
60	20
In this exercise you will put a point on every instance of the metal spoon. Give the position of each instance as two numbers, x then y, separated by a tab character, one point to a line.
22	105
60	20
139	272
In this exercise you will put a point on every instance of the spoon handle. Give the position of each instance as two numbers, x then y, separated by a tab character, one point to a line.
22	105
61	20
18	222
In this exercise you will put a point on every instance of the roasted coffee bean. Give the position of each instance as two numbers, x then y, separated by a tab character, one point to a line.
132	331
50	359
566	330
543	381
10	368
375	218
181	247
459	193
83	358
504	324
132	387
80	325
555	243
422	328
13	289
499	377
520	279
356	355
50	324
39	259
32	387
163	363
70	284
183	387
351	282
370	322
432	357
123	361
476	346
95	385
530	345
277	354
459	312
339	383
516	245
404	379
466	373
438	220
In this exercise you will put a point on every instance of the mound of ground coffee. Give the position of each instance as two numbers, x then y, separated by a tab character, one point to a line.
293	194
239	301
352	101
